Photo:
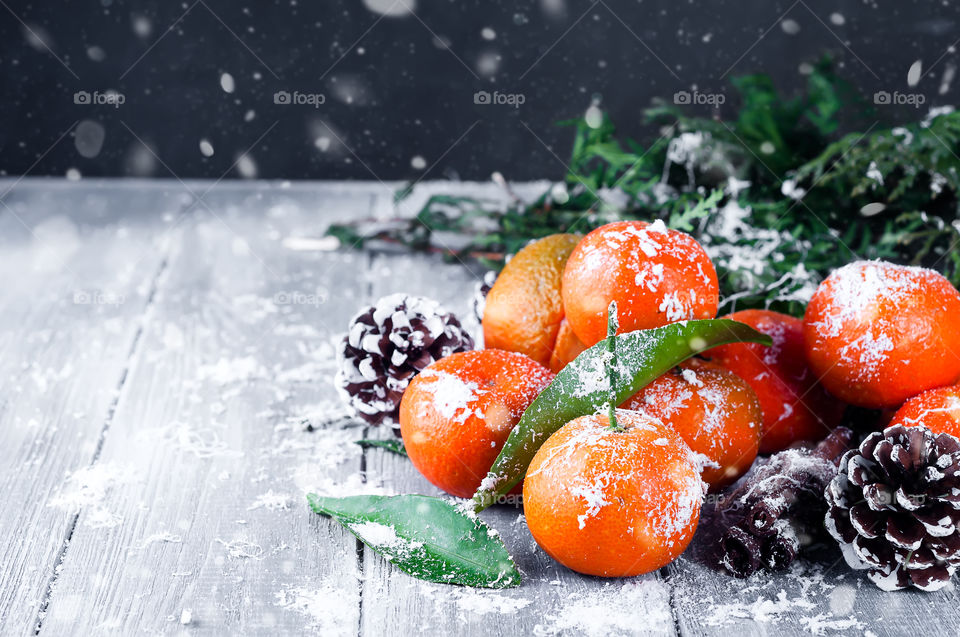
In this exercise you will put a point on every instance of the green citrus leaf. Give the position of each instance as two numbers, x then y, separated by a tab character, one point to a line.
395	446
429	538
582	388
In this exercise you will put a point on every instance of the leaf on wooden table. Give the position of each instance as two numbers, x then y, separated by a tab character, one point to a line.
429	538
395	446
582	388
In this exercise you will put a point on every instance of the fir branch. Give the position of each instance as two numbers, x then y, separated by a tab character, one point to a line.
774	194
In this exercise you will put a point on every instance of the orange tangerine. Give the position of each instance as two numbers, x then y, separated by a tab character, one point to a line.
795	406
613	503
456	414
714	411
936	409
656	275
878	333
524	311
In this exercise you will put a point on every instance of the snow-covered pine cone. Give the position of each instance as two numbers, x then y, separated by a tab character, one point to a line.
480	291
388	344
894	508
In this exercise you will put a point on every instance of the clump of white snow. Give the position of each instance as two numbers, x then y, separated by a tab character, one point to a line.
87	489
328	610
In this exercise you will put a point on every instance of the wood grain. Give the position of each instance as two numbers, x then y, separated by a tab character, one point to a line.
209	441
72	304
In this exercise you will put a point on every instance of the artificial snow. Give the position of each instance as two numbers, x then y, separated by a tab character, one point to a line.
618	607
452	396
328	610
383	537
87	489
271	501
795	597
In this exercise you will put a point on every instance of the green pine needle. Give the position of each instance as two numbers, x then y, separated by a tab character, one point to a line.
777	197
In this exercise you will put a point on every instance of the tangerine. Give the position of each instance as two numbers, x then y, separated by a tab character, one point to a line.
524	310
878	333
613	502
566	348
656	275
936	409
795	406
714	411
456	414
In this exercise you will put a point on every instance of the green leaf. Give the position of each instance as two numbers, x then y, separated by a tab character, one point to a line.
581	388
394	446
429	538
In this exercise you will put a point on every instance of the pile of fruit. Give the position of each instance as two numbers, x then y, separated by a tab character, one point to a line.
619	492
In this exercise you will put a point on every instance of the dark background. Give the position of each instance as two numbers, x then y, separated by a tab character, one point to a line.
198	78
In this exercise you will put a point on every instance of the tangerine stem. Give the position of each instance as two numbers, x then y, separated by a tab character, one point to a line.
612	325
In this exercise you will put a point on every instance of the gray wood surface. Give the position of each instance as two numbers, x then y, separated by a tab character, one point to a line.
72	304
167	352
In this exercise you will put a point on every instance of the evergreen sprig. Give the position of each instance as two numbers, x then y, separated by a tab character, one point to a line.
775	194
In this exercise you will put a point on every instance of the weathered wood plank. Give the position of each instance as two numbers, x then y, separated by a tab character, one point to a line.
77	271
552	599
208	451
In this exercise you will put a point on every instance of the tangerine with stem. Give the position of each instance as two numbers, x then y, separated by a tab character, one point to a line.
613	502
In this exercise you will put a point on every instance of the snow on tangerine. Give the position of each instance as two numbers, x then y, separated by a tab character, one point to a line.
878	333
715	412
613	503
656	275
456	414
937	409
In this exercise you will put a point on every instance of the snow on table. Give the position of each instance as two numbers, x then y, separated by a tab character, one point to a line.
167	357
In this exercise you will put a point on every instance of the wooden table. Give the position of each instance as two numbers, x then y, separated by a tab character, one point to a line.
165	349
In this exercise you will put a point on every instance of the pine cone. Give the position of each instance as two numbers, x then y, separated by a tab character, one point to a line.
894	508
781	495
480	291
388	344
